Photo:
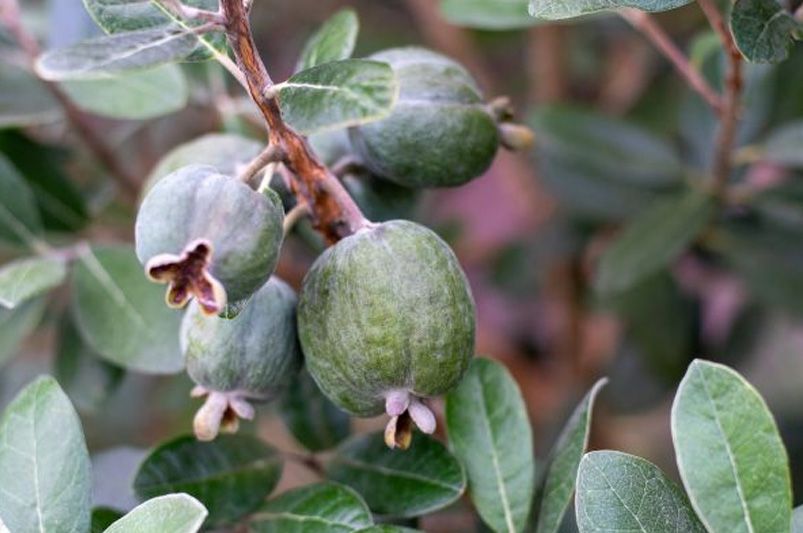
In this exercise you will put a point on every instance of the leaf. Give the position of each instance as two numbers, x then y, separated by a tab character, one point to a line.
319	508
797	520
24	279
489	431
103	517
654	239
556	485
122	315
174	513
138	95
730	456
420	480
488	14
103	57
315	422
24	100
231	476
338	94
388	528
334	40
762	30
564	9
19	218
44	464
785	145
16	324
621	492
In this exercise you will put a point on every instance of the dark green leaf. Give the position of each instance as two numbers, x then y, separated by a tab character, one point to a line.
174	513
19	218
490	434
413	482
320	508
313	420
388	528
231	476
44	464
762	30
24	100
488	14
730	455
16	324
785	145
334	41
24	279
563	9
621	492
103	517
556	485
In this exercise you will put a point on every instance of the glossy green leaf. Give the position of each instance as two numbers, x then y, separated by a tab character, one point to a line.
102	518
313	420
44	464
785	145
762	30
488	14
730	456
797	520
388	528
654	239
174	513
122	315
16	324
19	219
138	95
319	508
24	279
556	484
24	100
564	9
334	41
231	476
413	482
621	492
338	94
490	433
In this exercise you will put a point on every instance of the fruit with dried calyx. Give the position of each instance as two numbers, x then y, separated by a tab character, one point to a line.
248	358
386	321
209	236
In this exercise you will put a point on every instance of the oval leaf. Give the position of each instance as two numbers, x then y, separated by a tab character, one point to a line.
784	145
335	40
313	420
19	218
44	464
556	485
488	14
729	453
23	279
103	517
122	315
231	476
621	492
490	434
319	508
174	513
16	324
564	9
338	94
399	483
24	100
762	30
388	528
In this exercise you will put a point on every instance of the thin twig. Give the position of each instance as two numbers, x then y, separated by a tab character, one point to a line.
645	23
271	154
293	216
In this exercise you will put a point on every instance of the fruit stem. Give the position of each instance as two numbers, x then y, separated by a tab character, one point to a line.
271	154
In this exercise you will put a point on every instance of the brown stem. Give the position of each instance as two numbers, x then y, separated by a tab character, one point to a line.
334	213
645	23
10	18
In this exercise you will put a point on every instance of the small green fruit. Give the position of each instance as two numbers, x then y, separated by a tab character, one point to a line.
440	133
208	235
386	319
250	357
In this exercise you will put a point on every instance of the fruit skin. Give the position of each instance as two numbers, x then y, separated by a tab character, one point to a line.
195	203
440	134
386	311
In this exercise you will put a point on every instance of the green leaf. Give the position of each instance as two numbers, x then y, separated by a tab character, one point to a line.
797	520
556	485
24	279
730	456
488	14
44	464
388	528
489	431
338	94
24	100
231	476
103	517
313	420
654	239
334	41
19	218
174	513
122	315
564	9
417	481
621	492
138	95
319	508
762	30
785	145
16	324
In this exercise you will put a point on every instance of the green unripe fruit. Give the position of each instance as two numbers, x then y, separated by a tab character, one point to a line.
385	319
250	357
208	235
440	133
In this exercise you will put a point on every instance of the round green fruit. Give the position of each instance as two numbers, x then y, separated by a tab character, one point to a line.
385	320
250	357
209	236
440	133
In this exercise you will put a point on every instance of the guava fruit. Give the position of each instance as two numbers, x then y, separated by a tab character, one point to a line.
386	320
440	133
209	236
247	358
